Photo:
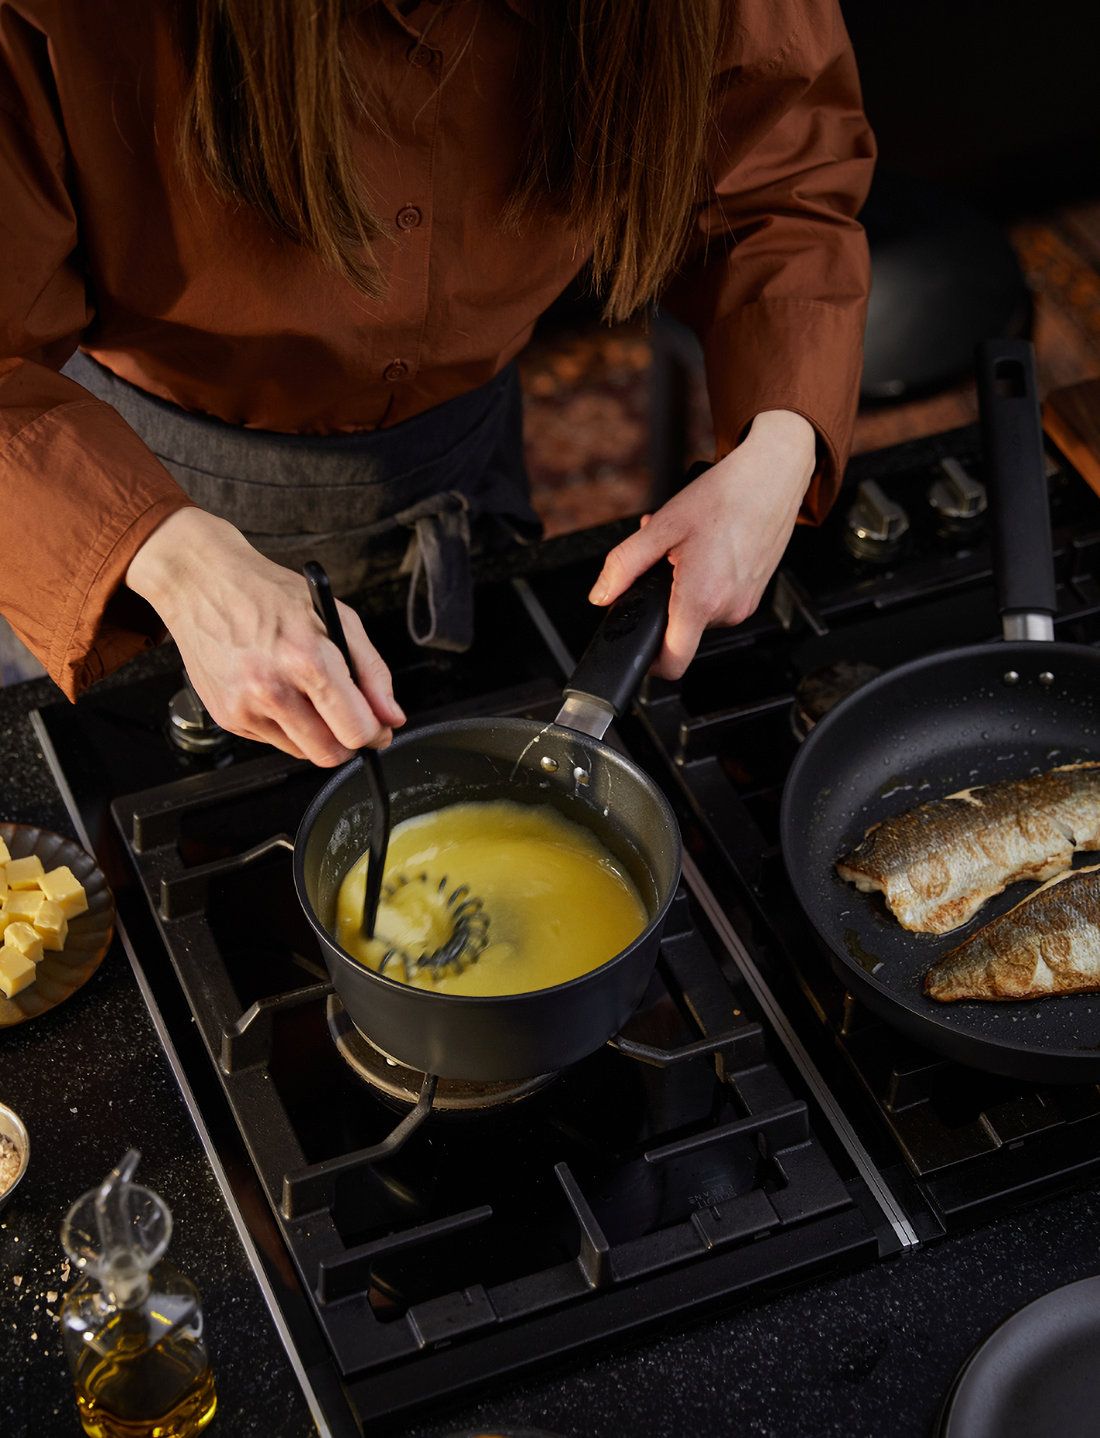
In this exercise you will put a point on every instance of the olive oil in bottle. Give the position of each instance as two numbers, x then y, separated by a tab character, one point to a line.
132	1325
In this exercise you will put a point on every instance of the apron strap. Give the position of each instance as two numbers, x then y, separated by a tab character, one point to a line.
440	606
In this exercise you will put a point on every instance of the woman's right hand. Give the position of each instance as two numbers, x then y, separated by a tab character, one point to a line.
255	651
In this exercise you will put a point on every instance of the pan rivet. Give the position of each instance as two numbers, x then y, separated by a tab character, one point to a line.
1046	679
549	764
1012	677
581	776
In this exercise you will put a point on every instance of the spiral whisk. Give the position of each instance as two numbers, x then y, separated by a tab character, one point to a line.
463	911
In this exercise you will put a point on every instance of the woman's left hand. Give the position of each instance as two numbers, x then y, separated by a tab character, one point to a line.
724	533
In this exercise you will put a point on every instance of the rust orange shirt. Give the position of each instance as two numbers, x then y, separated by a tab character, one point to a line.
103	246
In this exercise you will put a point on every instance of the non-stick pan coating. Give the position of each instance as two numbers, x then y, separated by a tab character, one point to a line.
918	733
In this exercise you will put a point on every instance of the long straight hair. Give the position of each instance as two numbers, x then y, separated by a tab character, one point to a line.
616	128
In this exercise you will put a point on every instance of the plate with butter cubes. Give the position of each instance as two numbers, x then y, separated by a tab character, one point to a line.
57	916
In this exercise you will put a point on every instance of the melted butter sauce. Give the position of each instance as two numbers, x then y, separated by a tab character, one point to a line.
559	903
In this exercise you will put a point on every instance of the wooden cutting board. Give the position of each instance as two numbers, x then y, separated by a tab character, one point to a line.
1071	417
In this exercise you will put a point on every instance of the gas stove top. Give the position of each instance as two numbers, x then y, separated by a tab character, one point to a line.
726	737
750	1126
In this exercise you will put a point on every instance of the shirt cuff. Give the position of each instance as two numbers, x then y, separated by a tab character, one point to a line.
103	624
801	355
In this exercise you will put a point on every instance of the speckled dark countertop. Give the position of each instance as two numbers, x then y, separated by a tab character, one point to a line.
90	1080
866	1353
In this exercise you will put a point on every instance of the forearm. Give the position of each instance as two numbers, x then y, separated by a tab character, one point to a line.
81	493
777	276
172	562
789	440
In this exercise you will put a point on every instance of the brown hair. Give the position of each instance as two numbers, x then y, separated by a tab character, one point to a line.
616	127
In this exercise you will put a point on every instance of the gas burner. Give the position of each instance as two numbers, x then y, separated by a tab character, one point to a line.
403	1085
823	689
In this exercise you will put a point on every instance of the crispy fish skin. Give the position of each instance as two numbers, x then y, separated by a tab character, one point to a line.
939	863
1048	944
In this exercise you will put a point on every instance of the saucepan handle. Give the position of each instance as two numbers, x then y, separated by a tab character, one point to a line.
622	649
626	643
1012	433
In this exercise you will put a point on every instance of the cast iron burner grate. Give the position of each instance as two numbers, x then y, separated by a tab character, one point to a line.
676	1166
725	734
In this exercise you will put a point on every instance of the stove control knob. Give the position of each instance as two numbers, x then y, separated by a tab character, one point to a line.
876	524
190	726
956	496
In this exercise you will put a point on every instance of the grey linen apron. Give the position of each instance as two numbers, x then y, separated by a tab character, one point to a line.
410	499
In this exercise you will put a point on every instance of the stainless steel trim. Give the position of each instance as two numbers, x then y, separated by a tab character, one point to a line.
582	712
177	1068
892	1210
541	620
895	1215
585	714
1028	626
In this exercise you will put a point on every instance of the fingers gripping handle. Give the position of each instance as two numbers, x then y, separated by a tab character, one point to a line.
1012	433
626	643
629	638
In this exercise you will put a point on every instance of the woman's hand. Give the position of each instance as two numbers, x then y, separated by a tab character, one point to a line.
724	533
255	651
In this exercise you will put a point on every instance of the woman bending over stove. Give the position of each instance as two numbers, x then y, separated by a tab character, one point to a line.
266	269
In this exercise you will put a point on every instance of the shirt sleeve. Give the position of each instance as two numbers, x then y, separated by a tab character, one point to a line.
79	490
776	278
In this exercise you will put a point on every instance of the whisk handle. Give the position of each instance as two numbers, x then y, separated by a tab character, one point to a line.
324	604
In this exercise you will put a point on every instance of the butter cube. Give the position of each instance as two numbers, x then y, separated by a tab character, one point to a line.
24	873
16	971
64	888
50	924
23	905
22	937
5	857
3	879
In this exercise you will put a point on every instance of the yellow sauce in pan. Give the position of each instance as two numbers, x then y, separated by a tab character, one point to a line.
559	903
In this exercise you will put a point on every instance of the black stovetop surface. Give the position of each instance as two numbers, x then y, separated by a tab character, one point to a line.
627	1190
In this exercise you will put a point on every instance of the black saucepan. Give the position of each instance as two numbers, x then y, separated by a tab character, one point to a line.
565	764
947	722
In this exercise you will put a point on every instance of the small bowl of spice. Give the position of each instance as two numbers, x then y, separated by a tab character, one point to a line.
15	1150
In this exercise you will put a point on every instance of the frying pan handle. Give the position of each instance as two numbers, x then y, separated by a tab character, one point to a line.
1012	432
623	647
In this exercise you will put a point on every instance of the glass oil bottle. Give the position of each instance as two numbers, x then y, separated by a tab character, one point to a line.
132	1325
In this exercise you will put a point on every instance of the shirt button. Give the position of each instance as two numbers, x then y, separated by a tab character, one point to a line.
408	217
395	370
420	56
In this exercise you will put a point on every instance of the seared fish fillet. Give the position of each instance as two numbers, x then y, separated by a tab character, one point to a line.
1048	944
938	864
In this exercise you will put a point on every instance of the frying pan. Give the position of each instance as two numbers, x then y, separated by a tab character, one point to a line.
565	764
954	719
